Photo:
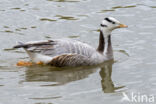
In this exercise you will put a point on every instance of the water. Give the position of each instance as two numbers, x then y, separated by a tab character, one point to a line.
134	51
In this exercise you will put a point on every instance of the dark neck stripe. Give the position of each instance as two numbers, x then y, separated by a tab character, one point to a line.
109	48
101	43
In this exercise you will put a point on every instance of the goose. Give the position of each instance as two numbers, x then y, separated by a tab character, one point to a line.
68	52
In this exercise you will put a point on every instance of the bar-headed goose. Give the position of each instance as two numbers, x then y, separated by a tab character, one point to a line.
66	52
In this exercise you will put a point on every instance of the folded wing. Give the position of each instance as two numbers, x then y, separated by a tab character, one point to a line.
58	47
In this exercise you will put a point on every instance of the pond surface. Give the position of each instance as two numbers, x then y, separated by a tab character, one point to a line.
134	70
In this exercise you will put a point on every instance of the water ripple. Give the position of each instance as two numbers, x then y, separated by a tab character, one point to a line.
107	10
16	8
153	6
66	17
47	19
116	7
47	98
131	6
64	0
73	36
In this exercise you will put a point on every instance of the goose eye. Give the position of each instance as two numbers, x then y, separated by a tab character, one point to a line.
113	22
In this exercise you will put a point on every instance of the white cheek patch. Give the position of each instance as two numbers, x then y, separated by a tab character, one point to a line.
106	32
104	22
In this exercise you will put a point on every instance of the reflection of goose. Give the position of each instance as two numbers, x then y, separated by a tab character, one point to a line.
106	82
58	75
65	52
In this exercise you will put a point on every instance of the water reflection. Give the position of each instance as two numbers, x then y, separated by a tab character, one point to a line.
106	82
59	75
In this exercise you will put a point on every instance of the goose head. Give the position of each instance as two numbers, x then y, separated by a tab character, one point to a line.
109	24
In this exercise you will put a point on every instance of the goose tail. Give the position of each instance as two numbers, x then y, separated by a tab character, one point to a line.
20	45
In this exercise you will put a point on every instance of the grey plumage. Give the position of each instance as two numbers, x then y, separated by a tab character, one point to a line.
63	52
58	47
66	52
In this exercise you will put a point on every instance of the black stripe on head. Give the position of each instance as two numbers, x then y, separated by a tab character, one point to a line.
107	19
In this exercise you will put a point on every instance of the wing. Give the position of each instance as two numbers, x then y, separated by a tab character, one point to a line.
71	60
58	47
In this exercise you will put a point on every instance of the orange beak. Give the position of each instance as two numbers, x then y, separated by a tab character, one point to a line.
122	26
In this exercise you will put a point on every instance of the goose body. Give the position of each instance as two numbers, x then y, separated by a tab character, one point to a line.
67	52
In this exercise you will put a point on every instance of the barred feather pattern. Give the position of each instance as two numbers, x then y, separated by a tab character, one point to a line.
70	60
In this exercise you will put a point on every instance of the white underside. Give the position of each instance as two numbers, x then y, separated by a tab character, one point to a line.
36	57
